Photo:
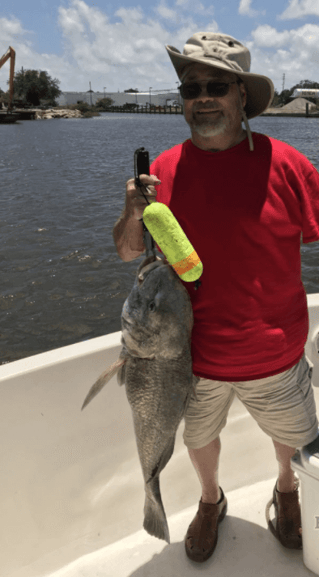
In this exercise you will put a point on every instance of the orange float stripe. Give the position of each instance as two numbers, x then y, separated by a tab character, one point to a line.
187	263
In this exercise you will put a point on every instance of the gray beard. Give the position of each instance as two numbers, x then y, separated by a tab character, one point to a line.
207	128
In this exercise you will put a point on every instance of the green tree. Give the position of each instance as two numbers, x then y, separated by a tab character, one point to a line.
82	106
130	106
32	86
306	84
275	101
104	103
4	98
285	96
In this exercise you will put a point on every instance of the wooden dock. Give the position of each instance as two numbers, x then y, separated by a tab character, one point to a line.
291	114
17	114
147	110
179	110
26	114
9	117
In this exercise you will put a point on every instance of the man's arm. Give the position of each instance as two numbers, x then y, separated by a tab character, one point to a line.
128	237
128	229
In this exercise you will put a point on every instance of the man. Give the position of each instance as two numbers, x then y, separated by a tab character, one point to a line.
243	201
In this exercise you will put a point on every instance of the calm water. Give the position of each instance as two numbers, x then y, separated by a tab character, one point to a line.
62	189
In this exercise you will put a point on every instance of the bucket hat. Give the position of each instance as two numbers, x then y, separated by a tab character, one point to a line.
226	53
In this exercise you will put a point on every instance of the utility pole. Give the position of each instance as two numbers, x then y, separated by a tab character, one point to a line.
90	91
283	81
150	96
104	90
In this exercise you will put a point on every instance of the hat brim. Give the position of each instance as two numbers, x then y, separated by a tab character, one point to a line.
260	89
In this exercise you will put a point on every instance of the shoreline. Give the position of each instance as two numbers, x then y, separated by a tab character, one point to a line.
51	113
291	114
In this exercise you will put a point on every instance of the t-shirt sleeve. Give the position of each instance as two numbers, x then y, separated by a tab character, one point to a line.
310	207
153	167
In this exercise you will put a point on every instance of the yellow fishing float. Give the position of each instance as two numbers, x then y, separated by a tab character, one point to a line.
172	240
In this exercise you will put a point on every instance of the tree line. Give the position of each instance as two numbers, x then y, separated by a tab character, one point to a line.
37	88
33	88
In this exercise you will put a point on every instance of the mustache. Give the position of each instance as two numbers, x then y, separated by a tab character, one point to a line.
206	106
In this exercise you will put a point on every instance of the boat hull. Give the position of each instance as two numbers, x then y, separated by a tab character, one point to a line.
71	485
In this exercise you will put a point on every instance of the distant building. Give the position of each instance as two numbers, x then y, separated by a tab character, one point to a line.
120	98
305	93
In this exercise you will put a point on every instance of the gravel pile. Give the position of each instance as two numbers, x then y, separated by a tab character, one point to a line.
296	105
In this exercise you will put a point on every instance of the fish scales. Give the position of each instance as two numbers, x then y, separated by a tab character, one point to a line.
156	366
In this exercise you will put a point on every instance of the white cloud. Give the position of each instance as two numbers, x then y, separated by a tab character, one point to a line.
120	51
245	8
195	7
10	29
294	52
127	49
299	9
268	36
13	34
165	12
130	51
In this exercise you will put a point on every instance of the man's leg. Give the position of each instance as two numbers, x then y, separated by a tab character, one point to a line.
205	461
205	417
285	482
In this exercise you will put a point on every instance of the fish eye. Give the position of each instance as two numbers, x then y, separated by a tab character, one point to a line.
152	306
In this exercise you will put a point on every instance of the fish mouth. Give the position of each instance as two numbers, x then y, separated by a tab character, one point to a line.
147	266
127	324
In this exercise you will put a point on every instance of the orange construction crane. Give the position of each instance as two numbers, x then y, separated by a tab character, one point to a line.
9	54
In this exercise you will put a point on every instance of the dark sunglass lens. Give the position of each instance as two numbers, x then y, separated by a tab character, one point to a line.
217	88
190	90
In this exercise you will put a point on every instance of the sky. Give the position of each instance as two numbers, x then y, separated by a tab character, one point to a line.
121	45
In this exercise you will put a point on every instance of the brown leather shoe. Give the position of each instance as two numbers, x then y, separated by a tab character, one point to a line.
287	518
202	534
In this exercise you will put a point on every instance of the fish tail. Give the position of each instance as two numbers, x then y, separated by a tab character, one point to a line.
155	522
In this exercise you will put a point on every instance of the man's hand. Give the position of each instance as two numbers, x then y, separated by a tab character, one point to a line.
135	202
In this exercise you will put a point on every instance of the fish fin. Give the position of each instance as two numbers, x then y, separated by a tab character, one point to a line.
164	458
155	522
121	375
103	379
162	462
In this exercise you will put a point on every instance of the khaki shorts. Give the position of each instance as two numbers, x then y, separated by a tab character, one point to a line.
283	406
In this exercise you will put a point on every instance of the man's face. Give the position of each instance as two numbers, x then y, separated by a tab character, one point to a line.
211	115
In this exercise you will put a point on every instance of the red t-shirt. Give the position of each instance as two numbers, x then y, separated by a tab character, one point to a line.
244	213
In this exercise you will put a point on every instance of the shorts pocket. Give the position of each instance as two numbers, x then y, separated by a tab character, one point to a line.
304	376
310	367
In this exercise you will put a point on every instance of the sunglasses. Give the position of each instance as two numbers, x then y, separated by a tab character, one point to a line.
191	90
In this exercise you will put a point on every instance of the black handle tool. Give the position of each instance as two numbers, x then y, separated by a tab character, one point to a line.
142	166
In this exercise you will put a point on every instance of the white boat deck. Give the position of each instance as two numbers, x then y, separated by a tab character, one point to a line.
71	486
